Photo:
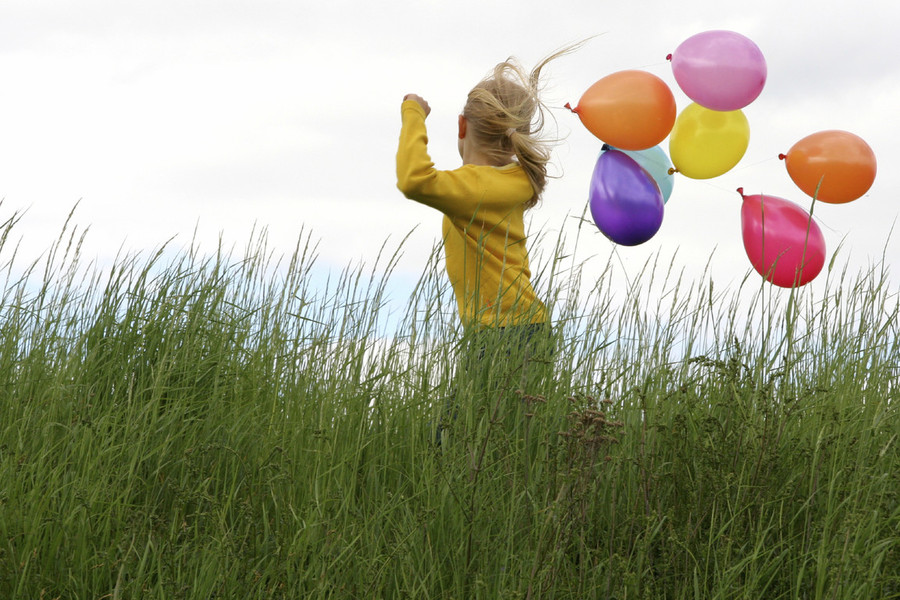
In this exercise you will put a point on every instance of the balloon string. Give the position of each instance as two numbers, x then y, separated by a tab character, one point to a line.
714	186
673	170
750	166
622	264
649	65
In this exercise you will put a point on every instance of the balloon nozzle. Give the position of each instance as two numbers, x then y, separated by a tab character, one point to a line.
569	106
672	171
782	156
668	57
740	191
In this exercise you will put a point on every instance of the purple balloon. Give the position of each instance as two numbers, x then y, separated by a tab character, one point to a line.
626	203
720	70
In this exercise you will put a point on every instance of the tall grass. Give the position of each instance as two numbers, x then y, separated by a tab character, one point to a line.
228	425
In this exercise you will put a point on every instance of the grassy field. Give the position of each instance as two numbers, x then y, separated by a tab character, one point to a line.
183	425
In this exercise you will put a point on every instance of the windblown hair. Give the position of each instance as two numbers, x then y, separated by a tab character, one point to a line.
505	113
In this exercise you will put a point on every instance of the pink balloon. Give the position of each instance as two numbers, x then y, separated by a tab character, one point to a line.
721	70
782	241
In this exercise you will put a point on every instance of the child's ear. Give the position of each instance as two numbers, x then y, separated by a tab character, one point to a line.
462	126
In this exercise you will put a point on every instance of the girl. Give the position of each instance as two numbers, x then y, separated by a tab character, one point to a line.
503	174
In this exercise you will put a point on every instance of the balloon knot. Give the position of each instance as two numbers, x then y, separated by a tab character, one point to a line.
782	156
672	171
569	106
740	191
668	57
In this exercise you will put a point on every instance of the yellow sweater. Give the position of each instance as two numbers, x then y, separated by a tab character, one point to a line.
483	228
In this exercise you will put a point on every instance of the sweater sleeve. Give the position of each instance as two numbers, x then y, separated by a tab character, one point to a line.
451	192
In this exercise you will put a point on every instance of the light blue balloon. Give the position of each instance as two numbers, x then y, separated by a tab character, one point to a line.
656	163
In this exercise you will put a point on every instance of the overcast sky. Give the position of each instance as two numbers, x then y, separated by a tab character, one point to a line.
168	116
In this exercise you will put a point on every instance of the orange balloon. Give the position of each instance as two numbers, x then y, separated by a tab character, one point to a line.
629	110
832	166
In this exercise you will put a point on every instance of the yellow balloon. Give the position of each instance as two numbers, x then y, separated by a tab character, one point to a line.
706	143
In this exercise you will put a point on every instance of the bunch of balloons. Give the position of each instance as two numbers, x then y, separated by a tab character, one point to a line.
721	72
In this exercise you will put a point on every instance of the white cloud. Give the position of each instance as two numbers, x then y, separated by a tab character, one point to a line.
167	116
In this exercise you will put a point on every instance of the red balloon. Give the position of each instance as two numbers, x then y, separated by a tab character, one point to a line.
832	166
782	241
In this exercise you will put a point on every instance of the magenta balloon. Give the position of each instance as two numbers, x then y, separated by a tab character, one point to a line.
625	201
721	70
782	241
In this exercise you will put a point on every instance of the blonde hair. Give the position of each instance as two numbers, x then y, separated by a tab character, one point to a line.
505	113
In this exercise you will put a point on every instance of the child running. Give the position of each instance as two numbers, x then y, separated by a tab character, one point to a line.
503	174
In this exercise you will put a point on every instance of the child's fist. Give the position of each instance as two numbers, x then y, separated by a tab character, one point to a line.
420	100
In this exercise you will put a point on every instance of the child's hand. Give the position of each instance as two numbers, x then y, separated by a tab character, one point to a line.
420	100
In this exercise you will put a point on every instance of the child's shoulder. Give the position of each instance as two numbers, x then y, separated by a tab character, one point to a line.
507	172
